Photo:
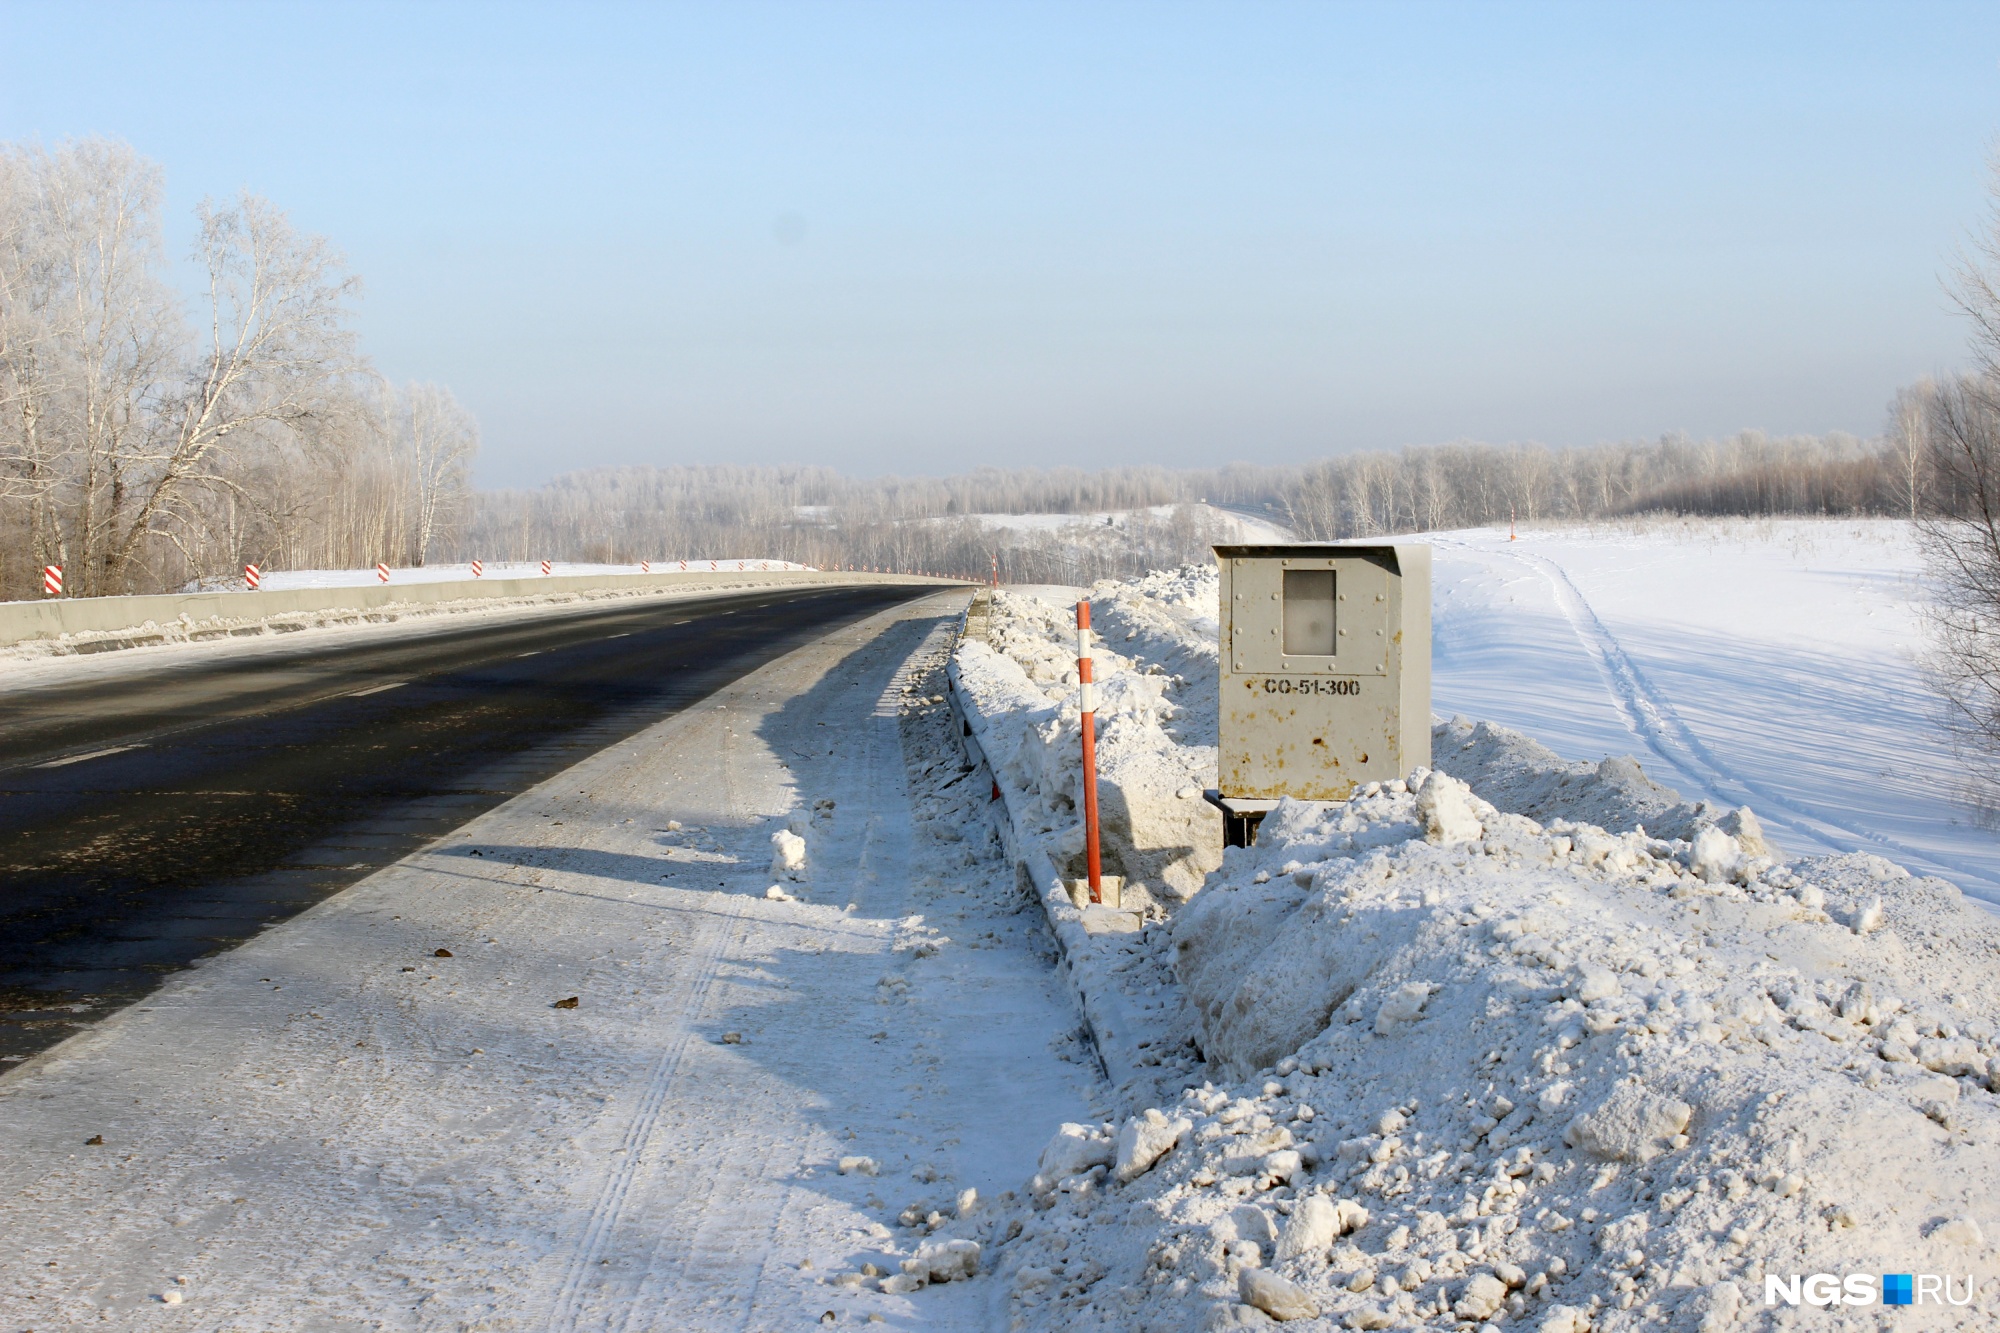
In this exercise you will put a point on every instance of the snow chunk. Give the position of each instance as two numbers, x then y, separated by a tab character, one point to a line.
1404	1007
1248	1222
1074	1150
1480	1297
1351	1215
1960	1231
1743	826
1598	983
944	1261
1444	809
1715	856
1144	1140
1631	1124
863	1166
788	853
1282	1300
1564	1319
1315	1224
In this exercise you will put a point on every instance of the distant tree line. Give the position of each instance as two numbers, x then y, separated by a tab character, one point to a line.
1467	484
149	440
816	516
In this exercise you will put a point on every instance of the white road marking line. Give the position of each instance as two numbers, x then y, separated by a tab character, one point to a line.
536	653
93	754
377	689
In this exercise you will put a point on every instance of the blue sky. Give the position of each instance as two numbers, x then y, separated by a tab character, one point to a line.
921	237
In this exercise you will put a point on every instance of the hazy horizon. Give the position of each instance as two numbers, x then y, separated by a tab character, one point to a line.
916	239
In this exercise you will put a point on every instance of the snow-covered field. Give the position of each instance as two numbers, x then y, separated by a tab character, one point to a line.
1768	663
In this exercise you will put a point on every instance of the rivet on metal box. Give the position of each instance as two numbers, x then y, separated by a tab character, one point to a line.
1326	674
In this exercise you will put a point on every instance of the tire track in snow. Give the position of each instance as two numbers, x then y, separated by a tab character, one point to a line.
632	1154
1651	717
876	864
716	1233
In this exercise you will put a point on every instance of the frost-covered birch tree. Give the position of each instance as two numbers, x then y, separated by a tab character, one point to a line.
149	435
440	438
272	355
1957	422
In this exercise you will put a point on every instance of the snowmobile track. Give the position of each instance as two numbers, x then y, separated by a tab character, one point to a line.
1651	718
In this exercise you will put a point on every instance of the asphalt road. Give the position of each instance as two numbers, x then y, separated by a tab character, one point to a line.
148	820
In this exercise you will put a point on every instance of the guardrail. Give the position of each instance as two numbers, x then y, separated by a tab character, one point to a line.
171	617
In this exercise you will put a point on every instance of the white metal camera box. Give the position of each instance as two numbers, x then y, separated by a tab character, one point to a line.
1326	670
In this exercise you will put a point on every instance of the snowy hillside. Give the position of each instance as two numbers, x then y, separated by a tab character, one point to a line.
1230	524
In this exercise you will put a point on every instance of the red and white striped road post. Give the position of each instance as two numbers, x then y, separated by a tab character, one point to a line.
52	580
253	577
1087	705
478	570
382	572
545	569
645	566
995	559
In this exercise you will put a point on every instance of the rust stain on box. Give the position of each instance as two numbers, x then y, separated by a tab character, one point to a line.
1326	668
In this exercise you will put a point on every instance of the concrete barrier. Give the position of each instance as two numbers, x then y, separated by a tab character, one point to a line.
92	624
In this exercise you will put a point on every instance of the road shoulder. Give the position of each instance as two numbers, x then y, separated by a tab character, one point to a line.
338	1126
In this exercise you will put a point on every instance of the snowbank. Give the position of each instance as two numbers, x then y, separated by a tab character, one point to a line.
1156	668
1016	690
1523	777
1558	1048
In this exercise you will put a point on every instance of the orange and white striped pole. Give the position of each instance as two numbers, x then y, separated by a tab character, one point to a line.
1087	705
52	580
